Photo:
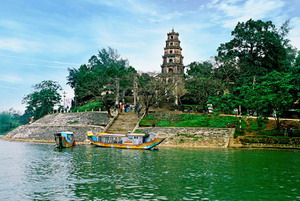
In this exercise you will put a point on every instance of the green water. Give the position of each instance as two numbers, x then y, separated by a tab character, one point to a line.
41	172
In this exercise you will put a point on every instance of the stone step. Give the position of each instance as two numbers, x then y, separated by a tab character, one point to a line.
124	123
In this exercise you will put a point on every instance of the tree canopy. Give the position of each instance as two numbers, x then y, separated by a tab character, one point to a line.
257	69
42	100
256	49
106	78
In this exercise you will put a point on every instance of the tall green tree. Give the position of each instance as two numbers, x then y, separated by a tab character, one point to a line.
42	100
106	78
200	89
272	93
256	49
203	69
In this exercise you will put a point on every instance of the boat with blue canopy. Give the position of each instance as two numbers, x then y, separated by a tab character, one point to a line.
64	139
125	141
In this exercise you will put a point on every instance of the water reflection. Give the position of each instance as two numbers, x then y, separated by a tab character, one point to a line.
42	172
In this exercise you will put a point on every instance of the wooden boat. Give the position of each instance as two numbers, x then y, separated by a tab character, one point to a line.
125	141
64	139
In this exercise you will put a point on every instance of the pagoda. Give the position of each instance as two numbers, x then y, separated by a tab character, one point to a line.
172	58
172	66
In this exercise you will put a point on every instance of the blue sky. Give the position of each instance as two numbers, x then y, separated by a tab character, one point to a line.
40	40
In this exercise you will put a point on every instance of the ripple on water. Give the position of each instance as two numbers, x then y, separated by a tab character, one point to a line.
40	172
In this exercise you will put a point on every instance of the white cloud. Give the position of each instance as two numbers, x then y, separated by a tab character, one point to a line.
11	79
237	11
17	45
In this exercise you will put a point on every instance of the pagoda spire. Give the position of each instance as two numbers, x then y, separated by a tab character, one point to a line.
172	58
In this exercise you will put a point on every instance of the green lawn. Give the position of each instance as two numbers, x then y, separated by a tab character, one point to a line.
190	120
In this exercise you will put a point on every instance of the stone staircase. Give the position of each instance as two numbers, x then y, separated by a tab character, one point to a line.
125	122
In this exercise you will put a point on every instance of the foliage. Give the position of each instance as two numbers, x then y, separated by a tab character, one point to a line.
199	89
225	103
273	92
258	69
267	133
257	48
90	106
200	69
9	120
256	125
106	78
153	89
42	100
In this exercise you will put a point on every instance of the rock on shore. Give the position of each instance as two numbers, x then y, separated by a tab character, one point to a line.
44	128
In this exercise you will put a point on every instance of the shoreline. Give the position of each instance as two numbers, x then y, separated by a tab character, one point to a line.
163	146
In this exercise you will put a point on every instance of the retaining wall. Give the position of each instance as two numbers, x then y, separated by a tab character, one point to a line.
78	123
192	137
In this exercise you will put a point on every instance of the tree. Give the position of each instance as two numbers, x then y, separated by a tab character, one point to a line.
225	103
256	49
9	120
199	89
42	100
153	89
204	69
271	93
105	78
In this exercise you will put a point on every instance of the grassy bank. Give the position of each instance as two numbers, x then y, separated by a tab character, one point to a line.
191	120
244	126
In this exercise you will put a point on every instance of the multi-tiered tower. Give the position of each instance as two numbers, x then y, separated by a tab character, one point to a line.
172	66
172	58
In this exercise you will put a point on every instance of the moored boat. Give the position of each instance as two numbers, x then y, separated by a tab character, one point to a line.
64	139
125	141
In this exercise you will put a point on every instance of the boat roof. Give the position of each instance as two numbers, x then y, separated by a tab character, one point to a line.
111	135
137	134
65	132
120	135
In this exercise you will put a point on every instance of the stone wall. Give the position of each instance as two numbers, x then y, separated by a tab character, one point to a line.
78	123
270	142
192	137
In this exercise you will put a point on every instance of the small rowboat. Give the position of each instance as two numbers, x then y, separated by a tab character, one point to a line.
64	139
125	141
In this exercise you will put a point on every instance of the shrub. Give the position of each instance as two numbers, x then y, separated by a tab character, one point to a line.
90	106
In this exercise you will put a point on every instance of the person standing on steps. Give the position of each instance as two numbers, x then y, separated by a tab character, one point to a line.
121	108
139	111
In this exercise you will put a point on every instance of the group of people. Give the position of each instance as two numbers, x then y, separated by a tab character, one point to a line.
128	108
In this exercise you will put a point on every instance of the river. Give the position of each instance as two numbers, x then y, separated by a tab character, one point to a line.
31	171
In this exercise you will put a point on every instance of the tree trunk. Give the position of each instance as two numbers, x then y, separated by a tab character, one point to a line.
146	110
277	122
108	112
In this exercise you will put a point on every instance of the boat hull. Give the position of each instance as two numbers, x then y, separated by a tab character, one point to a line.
62	142
144	146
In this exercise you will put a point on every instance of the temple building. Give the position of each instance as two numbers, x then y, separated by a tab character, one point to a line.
172	65
172	58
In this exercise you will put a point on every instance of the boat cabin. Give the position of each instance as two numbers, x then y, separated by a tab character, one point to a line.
129	139
67	135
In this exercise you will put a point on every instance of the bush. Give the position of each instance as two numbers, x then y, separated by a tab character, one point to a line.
255	125
90	106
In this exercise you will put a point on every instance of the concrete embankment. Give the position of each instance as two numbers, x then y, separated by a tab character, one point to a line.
192	137
43	129
270	142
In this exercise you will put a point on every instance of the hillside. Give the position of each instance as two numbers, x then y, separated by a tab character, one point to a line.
44	128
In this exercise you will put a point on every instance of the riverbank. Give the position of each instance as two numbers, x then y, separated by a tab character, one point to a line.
42	131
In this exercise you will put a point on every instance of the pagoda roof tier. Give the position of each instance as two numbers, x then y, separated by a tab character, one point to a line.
172	65
173	33
173	40
171	55
173	47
